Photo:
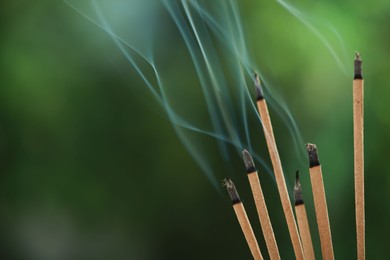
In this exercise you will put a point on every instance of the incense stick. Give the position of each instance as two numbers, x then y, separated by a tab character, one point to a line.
261	206
320	206
243	219
278	171
303	223
358	134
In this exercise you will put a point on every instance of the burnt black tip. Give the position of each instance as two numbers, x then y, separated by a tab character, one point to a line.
248	161
297	190
232	191
358	66
259	88
313	155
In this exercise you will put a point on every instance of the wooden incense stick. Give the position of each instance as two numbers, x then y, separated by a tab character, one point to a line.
243	219
358	128
320	206
303	223
278	171
261	207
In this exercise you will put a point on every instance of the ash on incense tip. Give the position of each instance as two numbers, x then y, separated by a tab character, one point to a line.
358	66
259	88
313	155
231	189
298	190
248	161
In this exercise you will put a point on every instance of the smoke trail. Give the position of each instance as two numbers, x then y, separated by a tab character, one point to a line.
211	98
313	26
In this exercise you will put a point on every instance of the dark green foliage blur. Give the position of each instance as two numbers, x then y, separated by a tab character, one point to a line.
90	169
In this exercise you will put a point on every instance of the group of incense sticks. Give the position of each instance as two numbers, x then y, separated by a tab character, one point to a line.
301	236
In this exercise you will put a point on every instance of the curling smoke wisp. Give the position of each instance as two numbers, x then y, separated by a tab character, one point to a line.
215	67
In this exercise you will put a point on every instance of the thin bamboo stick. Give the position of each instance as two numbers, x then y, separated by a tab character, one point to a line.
261	207
303	223
278	171
358	134
320	205
243	219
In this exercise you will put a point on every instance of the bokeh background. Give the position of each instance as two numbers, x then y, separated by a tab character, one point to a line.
90	169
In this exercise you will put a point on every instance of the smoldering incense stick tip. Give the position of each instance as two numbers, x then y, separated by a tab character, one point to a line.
357	55
231	189
298	190
358	66
248	160
259	88
313	155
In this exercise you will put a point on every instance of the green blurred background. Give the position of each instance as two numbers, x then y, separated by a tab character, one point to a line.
90	170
